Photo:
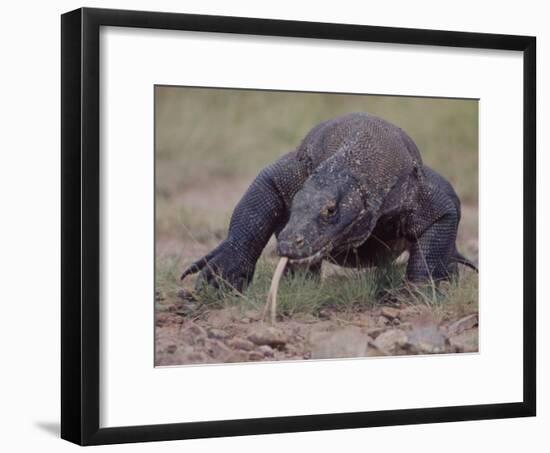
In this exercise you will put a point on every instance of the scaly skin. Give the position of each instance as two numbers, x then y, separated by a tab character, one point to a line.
354	192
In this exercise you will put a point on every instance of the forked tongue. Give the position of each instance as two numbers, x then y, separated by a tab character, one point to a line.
271	303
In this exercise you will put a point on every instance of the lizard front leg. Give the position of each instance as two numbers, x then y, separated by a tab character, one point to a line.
262	210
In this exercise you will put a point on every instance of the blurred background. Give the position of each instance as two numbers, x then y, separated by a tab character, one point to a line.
211	143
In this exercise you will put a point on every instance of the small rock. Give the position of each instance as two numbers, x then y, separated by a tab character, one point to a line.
265	350
305	318
390	298
372	349
375	331
184	294
426	339
382	321
240	343
423	347
255	356
268	335
252	315
218	349
347	342
325	314
237	356
245	320
219	319
196	330
291	350
162	319
411	311
186	309
171	348
468	322
466	341
217	334
389	312
195	357
391	341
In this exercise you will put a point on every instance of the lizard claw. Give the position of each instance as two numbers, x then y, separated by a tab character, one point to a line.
222	267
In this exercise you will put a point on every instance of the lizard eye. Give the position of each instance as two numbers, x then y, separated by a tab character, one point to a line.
330	210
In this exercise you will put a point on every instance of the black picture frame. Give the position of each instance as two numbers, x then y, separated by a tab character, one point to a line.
80	188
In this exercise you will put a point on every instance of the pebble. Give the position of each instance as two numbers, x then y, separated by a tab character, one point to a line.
219	319
466	341
196	330
265	350
255	356
306	318
240	343
184	294
218	334
162	319
347	342
195	357
291	350
428	348
217	349
410	311
427	339
375	331
268	335
389	312
237	356
252	315
186	309
468	322
391	341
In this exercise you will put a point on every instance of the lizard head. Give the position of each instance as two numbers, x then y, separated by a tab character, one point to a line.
323	218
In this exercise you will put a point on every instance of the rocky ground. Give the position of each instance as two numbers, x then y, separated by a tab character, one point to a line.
189	334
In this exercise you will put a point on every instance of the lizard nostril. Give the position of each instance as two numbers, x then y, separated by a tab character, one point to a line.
299	240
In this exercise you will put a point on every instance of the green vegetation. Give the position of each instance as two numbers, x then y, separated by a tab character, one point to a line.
346	291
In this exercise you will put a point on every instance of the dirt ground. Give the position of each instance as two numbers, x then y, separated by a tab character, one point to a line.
187	335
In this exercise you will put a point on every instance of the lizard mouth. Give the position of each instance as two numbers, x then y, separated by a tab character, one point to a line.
315	257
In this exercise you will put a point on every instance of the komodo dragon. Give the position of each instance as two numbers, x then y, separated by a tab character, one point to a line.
354	192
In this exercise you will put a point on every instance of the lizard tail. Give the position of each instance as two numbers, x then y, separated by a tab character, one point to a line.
199	264
461	259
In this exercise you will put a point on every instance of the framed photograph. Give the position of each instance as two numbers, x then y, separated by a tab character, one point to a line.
276	226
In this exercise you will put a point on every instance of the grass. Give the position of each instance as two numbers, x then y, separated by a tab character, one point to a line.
167	272
349	291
